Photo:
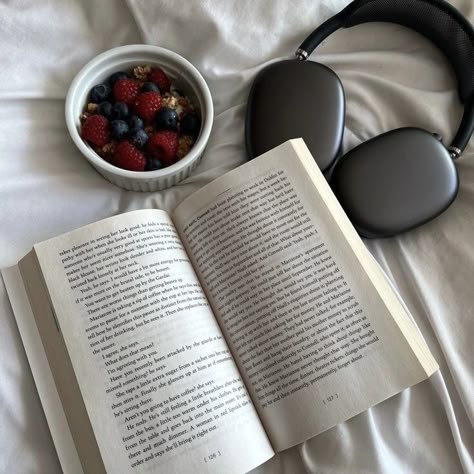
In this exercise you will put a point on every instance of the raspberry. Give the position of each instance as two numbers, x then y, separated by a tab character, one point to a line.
128	157
159	77
126	90
147	104
95	130
164	146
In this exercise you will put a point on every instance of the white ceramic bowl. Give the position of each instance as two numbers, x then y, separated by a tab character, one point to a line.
186	78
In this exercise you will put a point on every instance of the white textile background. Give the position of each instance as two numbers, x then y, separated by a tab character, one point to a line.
392	78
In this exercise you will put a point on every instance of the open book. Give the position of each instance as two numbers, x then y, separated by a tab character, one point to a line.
250	320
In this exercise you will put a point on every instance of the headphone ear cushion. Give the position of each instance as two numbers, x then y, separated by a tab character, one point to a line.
292	99
395	182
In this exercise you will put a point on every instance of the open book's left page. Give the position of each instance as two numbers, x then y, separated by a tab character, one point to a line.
159	385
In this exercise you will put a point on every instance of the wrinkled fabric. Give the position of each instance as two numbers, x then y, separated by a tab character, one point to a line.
392	77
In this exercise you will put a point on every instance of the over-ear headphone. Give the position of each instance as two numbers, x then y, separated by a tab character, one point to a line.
395	181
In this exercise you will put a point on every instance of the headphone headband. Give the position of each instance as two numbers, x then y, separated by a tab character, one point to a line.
437	20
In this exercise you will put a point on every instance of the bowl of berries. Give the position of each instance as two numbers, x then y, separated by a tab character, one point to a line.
141	115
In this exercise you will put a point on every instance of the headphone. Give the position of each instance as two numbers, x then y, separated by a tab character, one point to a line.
393	182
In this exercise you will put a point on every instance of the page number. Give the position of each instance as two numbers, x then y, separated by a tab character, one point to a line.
331	398
212	456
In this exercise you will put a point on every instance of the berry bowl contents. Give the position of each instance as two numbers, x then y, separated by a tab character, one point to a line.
141	115
139	121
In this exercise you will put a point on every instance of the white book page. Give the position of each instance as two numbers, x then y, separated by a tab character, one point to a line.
44	381
159	384
317	332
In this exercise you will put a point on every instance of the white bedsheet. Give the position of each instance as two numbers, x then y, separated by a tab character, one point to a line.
392	78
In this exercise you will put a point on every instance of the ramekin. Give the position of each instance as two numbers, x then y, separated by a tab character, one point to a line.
187	79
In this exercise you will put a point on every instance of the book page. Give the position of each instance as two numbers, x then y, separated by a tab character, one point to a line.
318	333
159	384
47	392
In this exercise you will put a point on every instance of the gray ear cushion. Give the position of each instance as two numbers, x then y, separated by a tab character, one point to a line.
395	182
292	99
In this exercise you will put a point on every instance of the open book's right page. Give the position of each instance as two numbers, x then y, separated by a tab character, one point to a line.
316	330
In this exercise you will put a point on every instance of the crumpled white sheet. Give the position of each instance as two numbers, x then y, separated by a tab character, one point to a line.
392	78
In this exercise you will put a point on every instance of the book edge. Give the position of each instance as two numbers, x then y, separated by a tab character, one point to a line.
42	375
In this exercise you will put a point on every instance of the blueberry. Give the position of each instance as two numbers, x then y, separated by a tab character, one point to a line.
116	76
150	87
166	119
99	93
153	164
119	111
105	109
190	125
138	137
135	122
118	129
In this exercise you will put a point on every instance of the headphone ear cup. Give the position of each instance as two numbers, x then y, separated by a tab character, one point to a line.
395	182
292	99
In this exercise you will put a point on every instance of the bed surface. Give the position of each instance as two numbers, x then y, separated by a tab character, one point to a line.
392	78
